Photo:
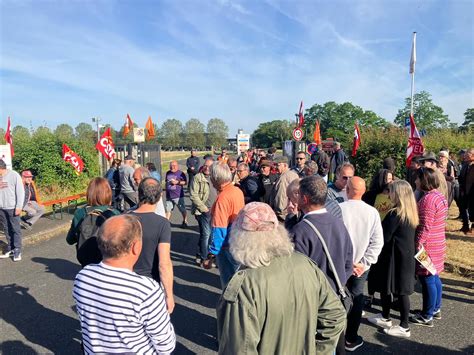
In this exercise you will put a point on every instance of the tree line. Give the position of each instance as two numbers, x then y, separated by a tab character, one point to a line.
337	121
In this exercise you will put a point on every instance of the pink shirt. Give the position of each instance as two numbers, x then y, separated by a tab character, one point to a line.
430	233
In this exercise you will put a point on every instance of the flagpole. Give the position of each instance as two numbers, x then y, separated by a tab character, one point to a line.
412	71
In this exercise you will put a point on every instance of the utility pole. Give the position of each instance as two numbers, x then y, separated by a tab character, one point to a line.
97	120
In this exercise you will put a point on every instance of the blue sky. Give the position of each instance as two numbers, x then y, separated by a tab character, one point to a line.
246	62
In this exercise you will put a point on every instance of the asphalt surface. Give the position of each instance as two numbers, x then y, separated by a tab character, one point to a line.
37	311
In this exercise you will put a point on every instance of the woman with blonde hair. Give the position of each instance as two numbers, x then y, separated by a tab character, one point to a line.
393	274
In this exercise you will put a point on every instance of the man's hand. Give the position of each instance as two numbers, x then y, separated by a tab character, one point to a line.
207	264
17	211
358	269
169	303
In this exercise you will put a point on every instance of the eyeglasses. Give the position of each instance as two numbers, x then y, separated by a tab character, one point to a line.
347	177
300	158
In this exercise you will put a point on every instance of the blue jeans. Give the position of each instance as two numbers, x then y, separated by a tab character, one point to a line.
11	226
227	266
204	222
432	290
356	287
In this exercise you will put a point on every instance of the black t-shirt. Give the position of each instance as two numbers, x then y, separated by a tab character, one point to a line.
156	229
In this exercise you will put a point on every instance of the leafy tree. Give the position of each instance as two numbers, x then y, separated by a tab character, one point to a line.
468	124
20	133
170	133
194	133
337	120
85	132
427	115
64	132
217	133
272	133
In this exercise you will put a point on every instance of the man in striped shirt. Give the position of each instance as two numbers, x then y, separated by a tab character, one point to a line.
119	310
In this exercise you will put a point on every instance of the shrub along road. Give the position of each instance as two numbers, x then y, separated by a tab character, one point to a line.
37	310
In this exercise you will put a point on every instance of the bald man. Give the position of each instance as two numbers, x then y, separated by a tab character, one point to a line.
175	181
138	176
113	301
365	230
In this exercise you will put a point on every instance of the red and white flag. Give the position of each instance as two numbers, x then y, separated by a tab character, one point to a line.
356	143
413	55
301	116
75	160
415	145
105	145
9	137
128	126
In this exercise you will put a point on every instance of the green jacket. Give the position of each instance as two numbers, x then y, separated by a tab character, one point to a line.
199	194
72	236
285	308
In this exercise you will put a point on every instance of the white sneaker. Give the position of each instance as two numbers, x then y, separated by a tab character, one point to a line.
398	331
379	321
6	255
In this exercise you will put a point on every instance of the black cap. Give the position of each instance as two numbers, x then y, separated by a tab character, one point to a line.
129	157
2	164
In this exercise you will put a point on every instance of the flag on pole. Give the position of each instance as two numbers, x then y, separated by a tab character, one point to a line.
357	141
413	54
128	126
301	116
415	145
75	160
317	134
150	128
105	145
9	137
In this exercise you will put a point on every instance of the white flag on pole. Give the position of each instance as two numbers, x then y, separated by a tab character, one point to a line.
413	54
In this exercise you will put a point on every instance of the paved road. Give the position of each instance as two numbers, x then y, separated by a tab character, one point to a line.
37	312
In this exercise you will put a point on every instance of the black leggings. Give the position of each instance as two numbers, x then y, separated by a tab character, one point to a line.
404	304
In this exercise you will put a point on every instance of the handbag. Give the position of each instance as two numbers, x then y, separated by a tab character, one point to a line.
343	292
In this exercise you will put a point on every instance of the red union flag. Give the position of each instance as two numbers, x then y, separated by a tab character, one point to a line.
75	160
106	145
301	116
356	143
9	137
415	145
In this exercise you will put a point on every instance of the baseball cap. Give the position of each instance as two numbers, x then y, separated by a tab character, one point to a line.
281	159
129	157
3	165
256	217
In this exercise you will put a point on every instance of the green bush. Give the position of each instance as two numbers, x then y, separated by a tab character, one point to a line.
378	144
42	153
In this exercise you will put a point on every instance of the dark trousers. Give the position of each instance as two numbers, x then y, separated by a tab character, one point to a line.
130	199
356	287
11	226
403	304
204	222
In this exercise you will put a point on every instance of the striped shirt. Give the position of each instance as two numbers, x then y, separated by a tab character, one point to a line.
433	209
122	312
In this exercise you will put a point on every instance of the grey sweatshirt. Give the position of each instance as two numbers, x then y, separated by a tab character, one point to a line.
12	191
127	184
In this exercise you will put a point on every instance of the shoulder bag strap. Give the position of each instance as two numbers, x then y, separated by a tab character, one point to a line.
340	287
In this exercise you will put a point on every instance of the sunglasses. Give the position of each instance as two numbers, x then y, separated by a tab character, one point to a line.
347	177
300	158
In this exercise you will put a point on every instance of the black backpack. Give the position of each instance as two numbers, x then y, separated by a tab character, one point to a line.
87	250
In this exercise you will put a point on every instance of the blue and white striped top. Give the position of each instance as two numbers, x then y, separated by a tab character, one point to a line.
122	312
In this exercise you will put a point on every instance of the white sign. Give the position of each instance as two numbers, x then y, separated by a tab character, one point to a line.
297	134
139	135
243	143
6	155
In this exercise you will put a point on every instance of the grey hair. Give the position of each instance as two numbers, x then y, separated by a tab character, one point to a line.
257	249
243	166
220	174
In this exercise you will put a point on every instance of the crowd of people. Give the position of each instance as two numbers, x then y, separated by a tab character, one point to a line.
294	245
